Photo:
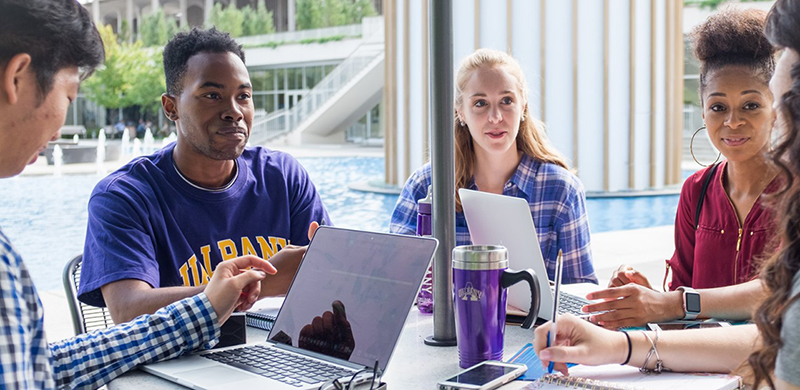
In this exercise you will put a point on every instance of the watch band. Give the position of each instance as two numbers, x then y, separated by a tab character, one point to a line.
690	313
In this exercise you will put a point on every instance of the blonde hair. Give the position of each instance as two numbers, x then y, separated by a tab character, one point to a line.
531	138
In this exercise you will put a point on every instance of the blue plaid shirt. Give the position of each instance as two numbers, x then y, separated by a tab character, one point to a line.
558	207
91	359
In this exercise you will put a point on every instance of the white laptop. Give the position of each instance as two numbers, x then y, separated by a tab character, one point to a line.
355	287
506	220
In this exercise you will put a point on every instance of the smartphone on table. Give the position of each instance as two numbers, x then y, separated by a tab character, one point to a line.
486	375
680	325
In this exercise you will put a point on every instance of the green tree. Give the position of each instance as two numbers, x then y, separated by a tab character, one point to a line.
228	19
124	32
107	85
131	76
358	9
156	29
335	12
258	22
309	14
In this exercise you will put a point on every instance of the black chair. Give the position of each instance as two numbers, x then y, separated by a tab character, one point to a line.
85	318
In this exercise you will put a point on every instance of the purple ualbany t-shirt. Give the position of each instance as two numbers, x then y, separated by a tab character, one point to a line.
148	223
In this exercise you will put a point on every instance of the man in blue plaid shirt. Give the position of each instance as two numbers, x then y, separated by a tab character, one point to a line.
46	47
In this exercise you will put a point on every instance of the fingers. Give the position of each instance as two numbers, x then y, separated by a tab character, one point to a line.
250	261
637	277
615	304
338	309
611	293
312	228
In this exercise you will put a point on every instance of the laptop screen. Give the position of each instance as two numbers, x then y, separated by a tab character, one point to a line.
351	296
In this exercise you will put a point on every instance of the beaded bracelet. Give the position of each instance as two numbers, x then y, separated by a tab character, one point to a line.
630	348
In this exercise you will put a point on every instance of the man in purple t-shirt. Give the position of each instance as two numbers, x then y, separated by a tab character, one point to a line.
159	225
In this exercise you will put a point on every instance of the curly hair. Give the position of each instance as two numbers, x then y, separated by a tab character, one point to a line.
778	272
531	138
184	45
733	37
57	34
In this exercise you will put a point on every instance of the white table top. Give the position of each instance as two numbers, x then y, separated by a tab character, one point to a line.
414	365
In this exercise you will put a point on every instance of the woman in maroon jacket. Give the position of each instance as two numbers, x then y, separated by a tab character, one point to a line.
719	244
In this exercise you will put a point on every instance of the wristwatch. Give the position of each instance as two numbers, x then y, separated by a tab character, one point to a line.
691	303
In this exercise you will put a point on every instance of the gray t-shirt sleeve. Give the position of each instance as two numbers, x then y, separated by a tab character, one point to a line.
787	365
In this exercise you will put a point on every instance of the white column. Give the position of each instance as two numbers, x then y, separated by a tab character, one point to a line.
207	10
290	14
154	5
129	18
96	11
184	18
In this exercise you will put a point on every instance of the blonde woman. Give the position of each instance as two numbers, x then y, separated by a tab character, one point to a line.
502	149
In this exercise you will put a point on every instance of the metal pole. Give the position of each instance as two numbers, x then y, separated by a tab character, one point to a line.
443	171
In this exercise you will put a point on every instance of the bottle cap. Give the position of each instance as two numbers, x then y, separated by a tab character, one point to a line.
425	203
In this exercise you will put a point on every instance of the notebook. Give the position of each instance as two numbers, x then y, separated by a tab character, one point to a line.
505	220
263	314
616	377
362	283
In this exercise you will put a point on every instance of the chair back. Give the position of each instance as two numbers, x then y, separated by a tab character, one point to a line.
85	318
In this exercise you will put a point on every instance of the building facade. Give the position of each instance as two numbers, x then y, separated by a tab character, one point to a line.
606	76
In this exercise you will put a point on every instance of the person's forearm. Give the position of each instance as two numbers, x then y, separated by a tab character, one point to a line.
735	302
135	302
698	350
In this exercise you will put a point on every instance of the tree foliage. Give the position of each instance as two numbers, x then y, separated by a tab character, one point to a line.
131	76
258	21
329	13
228	19
156	29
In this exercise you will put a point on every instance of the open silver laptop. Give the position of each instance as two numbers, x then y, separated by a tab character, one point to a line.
505	220
343	313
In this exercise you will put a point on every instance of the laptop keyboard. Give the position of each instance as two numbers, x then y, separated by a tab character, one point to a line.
572	304
274	363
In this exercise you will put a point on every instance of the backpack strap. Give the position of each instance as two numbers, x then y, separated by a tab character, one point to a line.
702	197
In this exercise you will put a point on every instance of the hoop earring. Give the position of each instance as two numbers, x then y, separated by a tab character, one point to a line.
691	150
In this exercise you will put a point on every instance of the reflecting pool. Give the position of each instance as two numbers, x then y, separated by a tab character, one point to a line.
45	217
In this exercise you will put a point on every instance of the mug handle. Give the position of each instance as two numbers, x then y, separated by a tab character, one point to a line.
511	278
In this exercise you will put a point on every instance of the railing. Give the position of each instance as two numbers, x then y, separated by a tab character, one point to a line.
275	125
281	122
268	127
352	30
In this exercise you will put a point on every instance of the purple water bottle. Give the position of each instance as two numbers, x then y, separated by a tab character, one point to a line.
480	279
424	229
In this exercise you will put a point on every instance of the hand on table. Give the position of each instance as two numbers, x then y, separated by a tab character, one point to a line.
234	286
329	334
579	342
633	305
626	274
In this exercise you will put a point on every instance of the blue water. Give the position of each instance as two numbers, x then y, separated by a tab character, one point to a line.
45	217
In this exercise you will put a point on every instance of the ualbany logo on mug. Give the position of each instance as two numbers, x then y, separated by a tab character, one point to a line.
469	293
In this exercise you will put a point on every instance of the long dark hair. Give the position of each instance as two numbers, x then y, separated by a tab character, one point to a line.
778	272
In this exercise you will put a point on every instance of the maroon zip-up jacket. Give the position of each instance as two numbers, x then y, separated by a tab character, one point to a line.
718	251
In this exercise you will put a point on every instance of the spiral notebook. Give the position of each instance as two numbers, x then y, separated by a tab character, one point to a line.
263	314
616	377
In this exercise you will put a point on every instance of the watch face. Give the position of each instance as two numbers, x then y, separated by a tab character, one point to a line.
692	302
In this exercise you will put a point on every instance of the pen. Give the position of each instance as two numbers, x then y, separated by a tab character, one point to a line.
551	339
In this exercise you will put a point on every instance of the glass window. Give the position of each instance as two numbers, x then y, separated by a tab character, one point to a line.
257	79
280	74
269	80
313	76
258	102
269	102
329	69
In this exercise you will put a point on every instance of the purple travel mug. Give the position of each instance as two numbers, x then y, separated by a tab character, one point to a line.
480	279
